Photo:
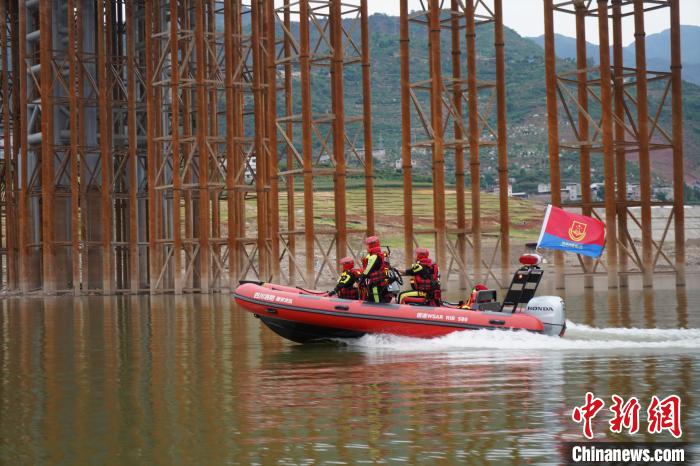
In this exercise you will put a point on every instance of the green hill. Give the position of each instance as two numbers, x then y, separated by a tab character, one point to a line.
658	51
526	104
525	93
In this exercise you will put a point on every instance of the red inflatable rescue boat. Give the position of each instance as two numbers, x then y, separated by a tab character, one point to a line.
305	316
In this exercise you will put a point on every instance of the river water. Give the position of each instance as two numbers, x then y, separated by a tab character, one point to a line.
194	380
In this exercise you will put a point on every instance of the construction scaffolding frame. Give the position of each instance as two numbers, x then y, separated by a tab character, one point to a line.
187	158
609	111
9	128
183	145
319	142
456	120
69	199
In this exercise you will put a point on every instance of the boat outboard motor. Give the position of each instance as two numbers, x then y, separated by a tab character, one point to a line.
551	310
520	297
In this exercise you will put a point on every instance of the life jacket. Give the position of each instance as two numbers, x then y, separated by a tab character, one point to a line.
428	280
346	289
379	275
361	285
349	293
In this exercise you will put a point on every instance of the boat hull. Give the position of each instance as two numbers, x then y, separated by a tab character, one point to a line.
305	317
306	333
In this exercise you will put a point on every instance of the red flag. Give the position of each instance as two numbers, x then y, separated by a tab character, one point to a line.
571	232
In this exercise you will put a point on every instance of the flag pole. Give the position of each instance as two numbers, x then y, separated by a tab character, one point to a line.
544	225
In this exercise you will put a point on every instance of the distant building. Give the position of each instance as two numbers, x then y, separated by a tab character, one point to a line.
249	174
497	190
398	165
377	154
570	192
573	191
597	191
634	192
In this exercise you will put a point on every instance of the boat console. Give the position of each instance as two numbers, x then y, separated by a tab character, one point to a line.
520	297
486	301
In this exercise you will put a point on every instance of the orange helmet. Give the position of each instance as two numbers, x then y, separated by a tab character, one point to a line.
347	262
422	253
372	242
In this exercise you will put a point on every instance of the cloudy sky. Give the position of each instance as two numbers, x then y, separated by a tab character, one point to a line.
526	17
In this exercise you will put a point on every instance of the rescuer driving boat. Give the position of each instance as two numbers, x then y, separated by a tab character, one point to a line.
375	275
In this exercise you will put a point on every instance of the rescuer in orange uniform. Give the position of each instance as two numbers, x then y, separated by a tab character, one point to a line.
376	272
346	288
426	279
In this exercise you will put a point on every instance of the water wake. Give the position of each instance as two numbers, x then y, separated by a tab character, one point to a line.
578	337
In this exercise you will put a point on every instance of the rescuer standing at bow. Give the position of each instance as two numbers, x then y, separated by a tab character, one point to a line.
346	287
376	272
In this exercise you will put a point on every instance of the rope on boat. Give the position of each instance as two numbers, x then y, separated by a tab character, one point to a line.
312	292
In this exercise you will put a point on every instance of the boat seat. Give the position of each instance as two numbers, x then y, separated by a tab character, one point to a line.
486	301
414	301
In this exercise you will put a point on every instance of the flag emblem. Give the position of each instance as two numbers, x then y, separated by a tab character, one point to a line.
577	231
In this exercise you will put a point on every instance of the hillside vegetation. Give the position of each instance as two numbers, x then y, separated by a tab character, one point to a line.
526	104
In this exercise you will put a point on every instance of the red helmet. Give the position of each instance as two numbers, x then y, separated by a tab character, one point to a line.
347	262
425	261
422	253
372	242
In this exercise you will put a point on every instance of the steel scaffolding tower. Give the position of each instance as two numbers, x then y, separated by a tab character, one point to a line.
187	158
611	113
456	120
182	145
319	142
9	130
